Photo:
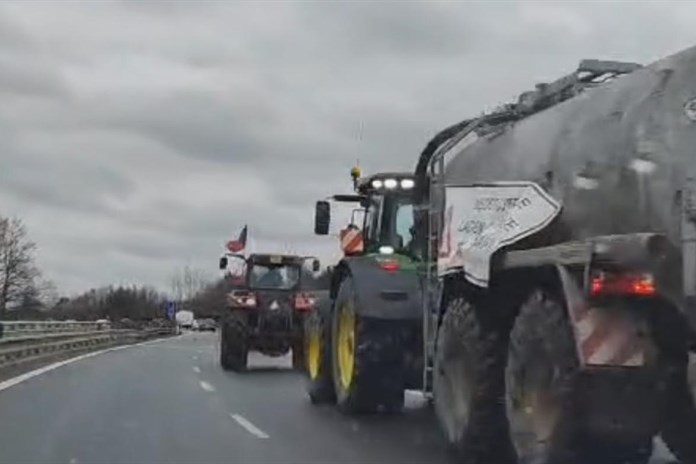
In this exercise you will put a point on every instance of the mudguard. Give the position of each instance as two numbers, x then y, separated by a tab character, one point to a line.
381	294
323	304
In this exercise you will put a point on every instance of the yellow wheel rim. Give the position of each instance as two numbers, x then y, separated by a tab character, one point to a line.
313	353
346	346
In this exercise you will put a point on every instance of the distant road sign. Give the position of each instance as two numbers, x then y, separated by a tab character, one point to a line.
171	309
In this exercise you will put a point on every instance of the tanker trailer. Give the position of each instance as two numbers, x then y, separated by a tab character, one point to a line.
560	233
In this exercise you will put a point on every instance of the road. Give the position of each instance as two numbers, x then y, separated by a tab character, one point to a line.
169	402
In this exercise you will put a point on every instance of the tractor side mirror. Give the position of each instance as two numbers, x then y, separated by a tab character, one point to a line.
223	263
322	217
316	265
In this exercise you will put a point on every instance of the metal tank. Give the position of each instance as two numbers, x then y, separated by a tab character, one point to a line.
620	156
616	155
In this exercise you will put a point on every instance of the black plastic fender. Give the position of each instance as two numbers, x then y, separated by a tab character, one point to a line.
323	302
381	294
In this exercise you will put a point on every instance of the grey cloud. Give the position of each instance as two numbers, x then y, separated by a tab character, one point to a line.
13	36
199	125
55	183
389	29
29	75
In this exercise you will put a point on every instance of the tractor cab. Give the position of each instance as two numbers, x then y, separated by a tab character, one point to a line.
266	271
386	202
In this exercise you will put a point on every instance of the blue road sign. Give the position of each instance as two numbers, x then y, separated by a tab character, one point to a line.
171	309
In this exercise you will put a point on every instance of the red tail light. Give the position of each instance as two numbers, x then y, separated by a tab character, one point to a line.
389	265
304	301
243	298
622	284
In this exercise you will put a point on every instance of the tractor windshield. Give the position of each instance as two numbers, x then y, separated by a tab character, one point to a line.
397	224
274	277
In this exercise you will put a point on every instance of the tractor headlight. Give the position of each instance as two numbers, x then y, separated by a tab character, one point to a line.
407	184
377	184
390	183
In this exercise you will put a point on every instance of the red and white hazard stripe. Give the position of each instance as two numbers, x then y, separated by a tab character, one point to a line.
351	241
607	341
446	240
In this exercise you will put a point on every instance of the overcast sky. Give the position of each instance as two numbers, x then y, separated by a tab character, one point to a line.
137	137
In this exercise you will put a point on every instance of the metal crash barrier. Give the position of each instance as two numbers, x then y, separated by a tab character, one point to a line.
26	341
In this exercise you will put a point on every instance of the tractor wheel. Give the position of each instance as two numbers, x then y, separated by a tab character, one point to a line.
540	374
541	358
468	386
317	345
366	358
671	330
234	336
680	421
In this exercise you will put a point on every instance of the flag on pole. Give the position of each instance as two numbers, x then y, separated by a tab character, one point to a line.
238	245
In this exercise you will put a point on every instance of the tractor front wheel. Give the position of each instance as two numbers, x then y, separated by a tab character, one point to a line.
317	348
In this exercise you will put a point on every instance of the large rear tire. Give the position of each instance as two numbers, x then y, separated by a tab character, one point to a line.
367	360
672	332
680	422
541	360
468	386
234	341
317	337
542	370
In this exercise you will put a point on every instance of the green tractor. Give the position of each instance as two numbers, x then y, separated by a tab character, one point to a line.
363	344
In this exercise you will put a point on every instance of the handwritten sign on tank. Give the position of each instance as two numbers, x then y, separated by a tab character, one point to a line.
481	219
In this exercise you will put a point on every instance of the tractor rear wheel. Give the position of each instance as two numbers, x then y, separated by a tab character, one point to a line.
367	362
234	340
317	348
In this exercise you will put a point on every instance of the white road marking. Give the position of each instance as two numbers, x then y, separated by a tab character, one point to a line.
196	369
42	370
251	428
206	386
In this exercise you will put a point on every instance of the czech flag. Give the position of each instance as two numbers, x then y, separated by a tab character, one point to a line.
238	245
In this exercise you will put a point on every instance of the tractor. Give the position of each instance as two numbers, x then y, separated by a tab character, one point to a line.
265	308
364	344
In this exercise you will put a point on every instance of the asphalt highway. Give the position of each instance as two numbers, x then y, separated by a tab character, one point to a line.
169	402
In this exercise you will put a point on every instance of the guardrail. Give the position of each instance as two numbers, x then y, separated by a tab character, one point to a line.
10	330
25	341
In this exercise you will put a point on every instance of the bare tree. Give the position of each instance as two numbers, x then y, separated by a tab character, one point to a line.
193	280
186	284
48	293
17	270
177	287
